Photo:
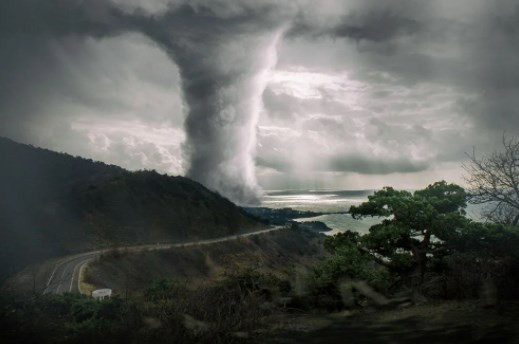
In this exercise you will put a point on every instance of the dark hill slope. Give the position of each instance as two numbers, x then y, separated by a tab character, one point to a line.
53	204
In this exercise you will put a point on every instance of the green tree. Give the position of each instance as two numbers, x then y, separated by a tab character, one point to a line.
415	227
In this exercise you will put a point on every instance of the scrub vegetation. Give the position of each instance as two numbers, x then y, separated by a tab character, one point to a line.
54	204
425	272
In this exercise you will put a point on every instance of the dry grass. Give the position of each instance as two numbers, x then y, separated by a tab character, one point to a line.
84	287
276	252
31	279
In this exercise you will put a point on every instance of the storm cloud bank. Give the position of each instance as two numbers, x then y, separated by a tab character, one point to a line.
224	64
363	91
223	53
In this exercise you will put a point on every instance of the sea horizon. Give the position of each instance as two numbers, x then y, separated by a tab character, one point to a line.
335	204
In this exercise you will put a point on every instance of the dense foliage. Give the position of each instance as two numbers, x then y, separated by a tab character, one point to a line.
424	245
424	242
279	216
482	253
348	259
167	312
415	225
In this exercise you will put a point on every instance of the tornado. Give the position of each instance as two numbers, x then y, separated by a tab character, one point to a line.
224	64
223	91
224	51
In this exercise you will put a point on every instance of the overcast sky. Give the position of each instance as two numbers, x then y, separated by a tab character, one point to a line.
262	94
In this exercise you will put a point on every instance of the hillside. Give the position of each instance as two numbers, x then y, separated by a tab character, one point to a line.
278	252
52	204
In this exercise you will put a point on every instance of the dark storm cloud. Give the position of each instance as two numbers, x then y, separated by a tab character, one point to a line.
222	50
374	165
374	25
36	40
282	106
286	108
275	162
95	18
470	46
493	54
224	47
476	54
352	163
221	59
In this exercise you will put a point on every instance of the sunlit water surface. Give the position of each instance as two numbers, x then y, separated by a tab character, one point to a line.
331	201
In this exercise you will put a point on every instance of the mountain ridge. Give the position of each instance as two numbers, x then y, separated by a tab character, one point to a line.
53	204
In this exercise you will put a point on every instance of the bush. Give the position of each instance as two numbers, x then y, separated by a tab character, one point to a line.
349	262
68	318
480	252
165	290
167	312
214	312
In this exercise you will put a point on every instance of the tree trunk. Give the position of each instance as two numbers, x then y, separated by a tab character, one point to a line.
420	258
420	267
488	292
516	220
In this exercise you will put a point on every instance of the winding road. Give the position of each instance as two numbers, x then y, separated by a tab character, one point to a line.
66	273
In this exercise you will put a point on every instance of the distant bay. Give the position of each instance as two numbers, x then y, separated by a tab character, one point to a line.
333	202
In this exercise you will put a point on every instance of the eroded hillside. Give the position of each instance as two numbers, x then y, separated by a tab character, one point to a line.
53	204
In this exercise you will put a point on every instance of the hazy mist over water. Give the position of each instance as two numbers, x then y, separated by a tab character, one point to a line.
332	201
315	200
326	201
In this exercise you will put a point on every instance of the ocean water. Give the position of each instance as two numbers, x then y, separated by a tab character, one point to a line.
326	201
316	200
334	202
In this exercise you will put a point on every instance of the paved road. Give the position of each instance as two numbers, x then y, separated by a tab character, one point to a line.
65	275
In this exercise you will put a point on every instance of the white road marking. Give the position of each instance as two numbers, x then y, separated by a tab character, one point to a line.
61	278
50	279
71	281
